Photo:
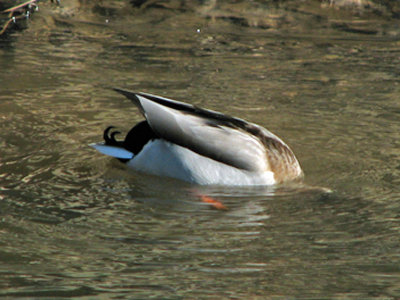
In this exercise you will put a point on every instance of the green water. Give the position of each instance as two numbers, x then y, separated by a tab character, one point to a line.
74	223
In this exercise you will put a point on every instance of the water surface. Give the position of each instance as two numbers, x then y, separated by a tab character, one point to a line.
74	223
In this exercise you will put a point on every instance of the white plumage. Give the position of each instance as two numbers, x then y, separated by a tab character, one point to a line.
163	158
200	146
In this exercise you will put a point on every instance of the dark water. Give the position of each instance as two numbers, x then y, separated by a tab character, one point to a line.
74	223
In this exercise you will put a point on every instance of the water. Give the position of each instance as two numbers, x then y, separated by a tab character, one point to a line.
74	223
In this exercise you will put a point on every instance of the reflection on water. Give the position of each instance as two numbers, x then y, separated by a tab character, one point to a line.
74	223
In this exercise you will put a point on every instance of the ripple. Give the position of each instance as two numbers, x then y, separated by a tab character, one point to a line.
75	224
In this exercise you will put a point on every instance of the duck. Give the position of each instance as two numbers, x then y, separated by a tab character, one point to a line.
199	146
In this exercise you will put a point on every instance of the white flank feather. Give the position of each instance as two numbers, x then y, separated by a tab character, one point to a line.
162	158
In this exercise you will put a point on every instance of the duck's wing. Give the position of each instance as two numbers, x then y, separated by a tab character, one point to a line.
223	138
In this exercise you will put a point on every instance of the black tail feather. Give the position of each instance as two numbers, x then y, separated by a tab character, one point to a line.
109	138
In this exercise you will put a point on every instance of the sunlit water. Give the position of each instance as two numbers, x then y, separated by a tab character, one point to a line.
75	223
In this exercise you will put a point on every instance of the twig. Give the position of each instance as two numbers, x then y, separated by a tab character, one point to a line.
22	10
12	9
6	25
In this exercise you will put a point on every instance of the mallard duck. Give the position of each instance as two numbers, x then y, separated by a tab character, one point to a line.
200	146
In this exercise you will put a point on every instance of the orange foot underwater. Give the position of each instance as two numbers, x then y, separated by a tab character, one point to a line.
213	202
